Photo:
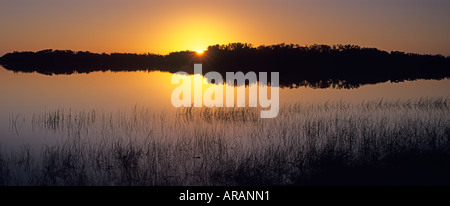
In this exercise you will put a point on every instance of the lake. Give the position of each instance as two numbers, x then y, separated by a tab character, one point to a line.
26	94
113	108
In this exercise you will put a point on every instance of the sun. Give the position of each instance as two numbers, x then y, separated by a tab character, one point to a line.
200	52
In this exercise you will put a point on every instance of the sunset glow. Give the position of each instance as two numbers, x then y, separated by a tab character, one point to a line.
165	26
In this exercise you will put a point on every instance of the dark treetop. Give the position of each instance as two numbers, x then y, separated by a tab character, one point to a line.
319	66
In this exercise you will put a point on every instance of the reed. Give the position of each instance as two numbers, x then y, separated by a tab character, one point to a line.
381	142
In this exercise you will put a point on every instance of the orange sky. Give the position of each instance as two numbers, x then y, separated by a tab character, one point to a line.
163	26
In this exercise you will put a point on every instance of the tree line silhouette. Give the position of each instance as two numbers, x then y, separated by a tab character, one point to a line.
318	66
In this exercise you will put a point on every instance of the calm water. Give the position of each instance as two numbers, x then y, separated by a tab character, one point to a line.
26	94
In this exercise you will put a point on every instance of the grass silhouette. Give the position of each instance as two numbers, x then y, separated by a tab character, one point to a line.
332	143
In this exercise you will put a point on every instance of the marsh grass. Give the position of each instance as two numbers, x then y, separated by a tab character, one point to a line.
332	143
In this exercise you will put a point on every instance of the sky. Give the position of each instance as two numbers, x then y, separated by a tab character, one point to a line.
418	26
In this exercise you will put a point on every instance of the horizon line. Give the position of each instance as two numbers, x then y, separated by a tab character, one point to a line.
252	46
